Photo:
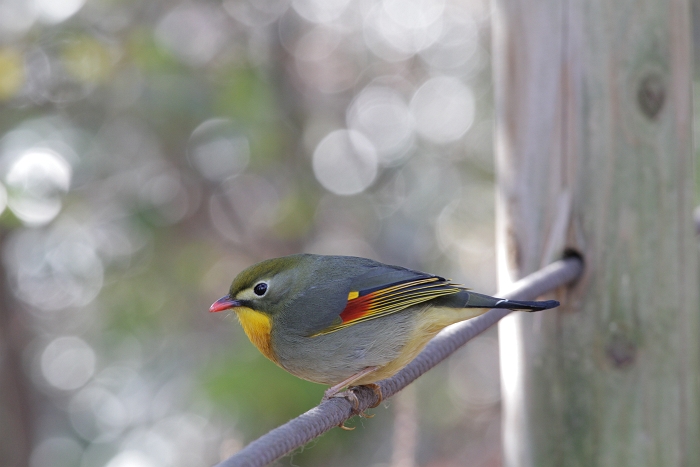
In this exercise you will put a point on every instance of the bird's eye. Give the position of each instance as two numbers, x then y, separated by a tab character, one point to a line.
260	289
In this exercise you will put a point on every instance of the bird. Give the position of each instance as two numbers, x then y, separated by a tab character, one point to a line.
347	321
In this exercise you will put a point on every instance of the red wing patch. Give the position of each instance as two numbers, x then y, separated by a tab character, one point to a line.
375	303
358	307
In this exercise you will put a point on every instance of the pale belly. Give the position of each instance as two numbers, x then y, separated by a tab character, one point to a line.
388	343
428	325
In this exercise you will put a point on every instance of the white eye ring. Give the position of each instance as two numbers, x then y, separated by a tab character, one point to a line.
260	289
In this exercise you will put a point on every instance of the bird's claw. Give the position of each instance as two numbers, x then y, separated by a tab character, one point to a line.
349	394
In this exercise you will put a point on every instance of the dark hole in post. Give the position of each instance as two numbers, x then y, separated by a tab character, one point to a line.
651	95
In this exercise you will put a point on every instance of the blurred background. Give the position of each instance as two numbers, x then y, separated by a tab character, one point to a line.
152	149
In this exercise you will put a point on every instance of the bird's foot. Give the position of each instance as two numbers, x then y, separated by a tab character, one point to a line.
377	390
351	396
348	394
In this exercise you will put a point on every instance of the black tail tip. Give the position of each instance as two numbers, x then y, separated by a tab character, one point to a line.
526	306
544	305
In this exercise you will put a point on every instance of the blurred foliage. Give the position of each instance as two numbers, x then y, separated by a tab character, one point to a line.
150	150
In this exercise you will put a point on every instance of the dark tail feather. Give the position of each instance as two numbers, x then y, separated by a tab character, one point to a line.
484	301
529	306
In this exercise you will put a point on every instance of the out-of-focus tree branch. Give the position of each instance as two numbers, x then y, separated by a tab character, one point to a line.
15	392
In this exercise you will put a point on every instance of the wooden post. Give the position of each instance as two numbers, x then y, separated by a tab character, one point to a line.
594	154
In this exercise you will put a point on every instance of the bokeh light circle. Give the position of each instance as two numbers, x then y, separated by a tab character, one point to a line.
68	362
382	115
414	14
345	162
55	269
16	17
457	45
56	11
194	33
97	413
396	29
34	182
218	150
443	109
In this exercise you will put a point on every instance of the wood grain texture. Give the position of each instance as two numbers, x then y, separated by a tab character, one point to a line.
594	153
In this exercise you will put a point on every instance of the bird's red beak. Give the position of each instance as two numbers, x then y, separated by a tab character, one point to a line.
224	303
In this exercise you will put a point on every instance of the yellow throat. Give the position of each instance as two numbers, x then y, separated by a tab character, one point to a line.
257	327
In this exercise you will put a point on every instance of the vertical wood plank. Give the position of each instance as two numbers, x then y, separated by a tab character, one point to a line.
594	153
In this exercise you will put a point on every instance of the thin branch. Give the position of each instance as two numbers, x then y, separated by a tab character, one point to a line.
331	413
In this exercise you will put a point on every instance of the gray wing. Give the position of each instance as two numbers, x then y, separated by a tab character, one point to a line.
355	289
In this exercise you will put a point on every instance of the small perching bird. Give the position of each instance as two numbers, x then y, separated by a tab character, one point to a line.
344	320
